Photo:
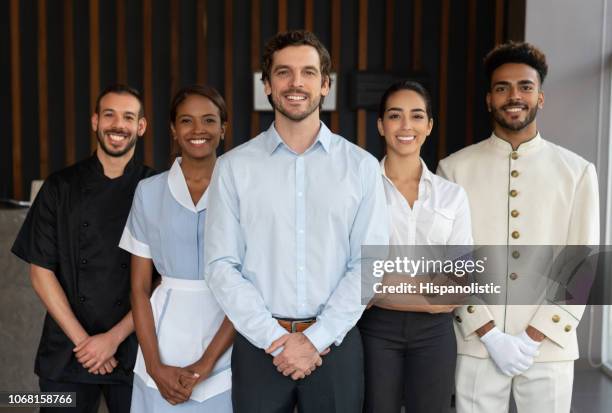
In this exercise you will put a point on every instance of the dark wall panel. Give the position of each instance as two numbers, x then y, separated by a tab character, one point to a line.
6	140
82	109
55	74
30	157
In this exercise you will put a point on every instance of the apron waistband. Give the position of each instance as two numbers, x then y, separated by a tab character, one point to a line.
183	284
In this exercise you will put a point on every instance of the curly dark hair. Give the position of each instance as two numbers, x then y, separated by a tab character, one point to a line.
515	52
295	38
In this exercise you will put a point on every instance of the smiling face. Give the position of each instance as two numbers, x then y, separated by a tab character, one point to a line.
515	97
117	125
405	124
197	127
296	84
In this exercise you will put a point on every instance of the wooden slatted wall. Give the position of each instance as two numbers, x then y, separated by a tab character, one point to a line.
186	41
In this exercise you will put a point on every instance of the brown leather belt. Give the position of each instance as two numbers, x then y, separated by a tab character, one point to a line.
296	326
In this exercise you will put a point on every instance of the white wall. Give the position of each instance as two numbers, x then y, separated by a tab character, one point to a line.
576	36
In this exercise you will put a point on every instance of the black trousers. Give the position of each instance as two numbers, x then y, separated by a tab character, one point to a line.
336	386
409	360
118	397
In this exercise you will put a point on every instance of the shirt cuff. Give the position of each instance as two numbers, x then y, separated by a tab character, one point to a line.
318	336
133	246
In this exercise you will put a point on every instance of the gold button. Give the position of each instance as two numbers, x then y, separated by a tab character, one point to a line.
513	276
513	193
514	213
568	328
471	309
515	234
514	173
514	155
458	319
556	318
516	254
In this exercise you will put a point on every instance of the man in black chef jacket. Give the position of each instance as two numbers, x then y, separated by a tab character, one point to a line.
70	239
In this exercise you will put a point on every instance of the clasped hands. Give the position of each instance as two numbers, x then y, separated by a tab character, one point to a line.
176	384
513	355
97	353
299	357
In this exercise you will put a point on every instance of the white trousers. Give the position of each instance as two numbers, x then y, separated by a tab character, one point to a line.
544	388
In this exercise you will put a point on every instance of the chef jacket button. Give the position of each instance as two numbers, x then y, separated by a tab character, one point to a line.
513	276
568	328
82	299
83	261
516	255
458	319
514	155
85	224
124	265
515	234
513	193
514	213
556	318
471	309
514	173
118	303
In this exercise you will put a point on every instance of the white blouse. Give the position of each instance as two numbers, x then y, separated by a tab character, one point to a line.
439	216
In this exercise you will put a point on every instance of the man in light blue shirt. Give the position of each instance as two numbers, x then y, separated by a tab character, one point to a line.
288	214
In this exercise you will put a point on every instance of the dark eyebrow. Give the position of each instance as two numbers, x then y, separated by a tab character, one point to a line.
526	82
401	110
501	82
130	113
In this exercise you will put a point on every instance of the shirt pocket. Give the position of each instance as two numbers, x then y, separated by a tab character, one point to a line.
441	226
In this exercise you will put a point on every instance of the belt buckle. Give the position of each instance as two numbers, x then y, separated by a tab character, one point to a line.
294	324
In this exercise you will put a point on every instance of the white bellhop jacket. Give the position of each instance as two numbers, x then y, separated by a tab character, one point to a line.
540	194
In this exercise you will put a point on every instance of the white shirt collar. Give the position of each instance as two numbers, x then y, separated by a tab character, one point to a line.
179	190
426	177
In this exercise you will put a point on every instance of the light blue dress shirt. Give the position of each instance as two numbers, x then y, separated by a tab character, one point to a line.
284	233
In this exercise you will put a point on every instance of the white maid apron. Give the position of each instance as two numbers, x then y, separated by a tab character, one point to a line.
187	317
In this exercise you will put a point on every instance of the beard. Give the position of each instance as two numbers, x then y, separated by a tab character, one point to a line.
296	117
115	152
517	125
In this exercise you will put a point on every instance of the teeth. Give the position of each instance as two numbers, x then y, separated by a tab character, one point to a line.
116	138
513	110
295	97
405	138
198	141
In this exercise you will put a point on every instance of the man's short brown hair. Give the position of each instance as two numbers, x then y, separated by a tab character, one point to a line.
294	38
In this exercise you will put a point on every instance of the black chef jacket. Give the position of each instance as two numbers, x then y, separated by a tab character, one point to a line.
73	229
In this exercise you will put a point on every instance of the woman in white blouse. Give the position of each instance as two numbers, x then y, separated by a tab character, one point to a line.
410	349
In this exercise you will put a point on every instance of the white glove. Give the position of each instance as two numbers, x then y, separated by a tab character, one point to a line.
530	343
511	354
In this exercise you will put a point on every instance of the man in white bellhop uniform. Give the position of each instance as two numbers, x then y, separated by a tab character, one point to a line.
523	190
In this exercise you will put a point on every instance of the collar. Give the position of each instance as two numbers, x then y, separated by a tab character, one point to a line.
179	190
426	175
425	182
530	145
272	139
